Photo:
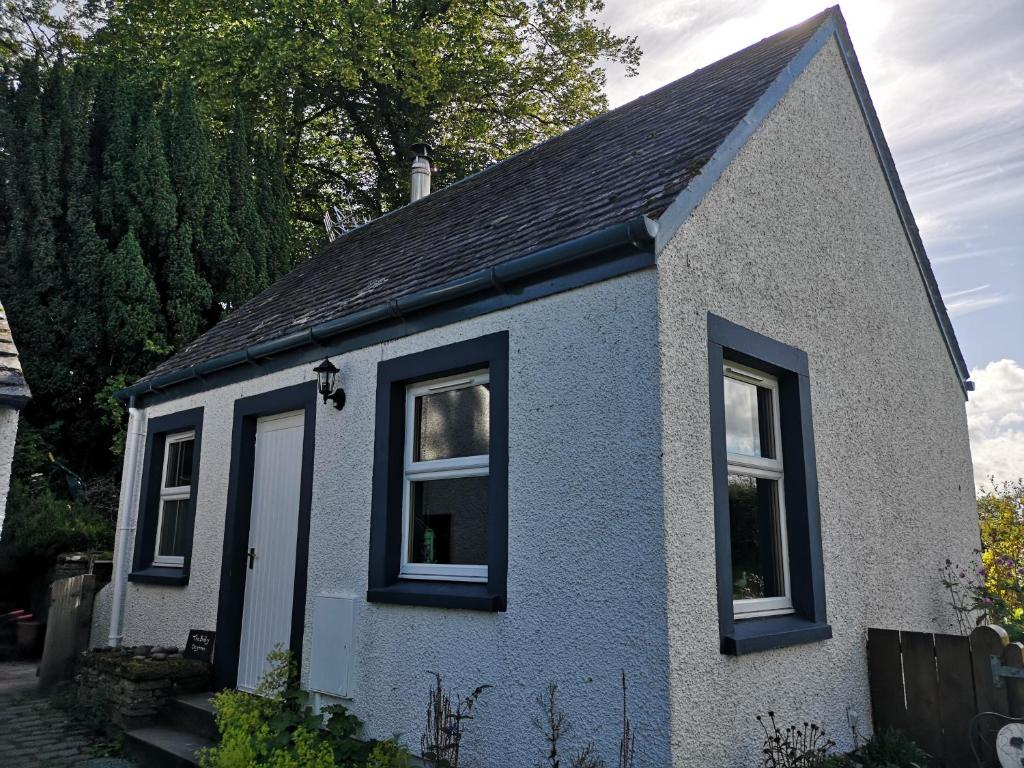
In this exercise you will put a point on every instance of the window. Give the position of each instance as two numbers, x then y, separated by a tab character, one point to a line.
166	510
757	507
771	586
175	500
444	504
439	524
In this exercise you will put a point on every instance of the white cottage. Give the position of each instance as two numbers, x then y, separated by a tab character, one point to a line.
674	393
14	395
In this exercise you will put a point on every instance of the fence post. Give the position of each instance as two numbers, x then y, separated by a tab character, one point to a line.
67	628
1013	656
988	641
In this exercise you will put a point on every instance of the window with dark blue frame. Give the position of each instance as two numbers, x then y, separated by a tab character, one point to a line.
166	511
439	522
771	584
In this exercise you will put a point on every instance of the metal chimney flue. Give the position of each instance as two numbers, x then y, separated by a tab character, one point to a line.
420	171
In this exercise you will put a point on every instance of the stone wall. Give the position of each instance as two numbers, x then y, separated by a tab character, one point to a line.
130	686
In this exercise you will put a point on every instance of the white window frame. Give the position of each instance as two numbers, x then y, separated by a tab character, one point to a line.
770	469
170	493
437	469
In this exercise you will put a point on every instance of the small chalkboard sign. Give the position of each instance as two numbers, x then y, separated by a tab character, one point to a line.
200	645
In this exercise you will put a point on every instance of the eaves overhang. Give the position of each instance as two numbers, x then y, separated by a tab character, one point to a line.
600	255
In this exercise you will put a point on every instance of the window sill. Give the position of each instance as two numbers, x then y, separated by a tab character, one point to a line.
762	634
160	574
438	594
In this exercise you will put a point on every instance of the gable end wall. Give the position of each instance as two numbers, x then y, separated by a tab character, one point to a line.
800	240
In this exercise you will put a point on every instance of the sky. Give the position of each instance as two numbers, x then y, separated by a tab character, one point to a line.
947	81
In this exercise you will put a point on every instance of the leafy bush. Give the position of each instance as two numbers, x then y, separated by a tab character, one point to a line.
276	729
887	749
40	524
992	590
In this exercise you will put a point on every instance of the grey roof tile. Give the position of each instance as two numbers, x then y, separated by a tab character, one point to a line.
13	387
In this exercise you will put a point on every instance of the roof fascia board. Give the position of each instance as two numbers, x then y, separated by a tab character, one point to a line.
622	248
832	27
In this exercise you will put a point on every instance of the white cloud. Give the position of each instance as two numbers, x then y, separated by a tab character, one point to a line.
995	422
960	303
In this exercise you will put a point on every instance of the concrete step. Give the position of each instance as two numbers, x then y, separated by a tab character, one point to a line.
161	746
192	712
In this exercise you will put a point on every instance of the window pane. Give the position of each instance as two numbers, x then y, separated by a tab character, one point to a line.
755	526
453	423
174	528
749	423
179	463
449	521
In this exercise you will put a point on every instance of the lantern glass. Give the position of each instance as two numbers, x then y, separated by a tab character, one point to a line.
326	374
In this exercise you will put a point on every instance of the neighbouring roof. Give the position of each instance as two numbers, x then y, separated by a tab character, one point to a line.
13	388
630	162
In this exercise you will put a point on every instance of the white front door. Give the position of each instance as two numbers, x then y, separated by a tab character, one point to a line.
270	560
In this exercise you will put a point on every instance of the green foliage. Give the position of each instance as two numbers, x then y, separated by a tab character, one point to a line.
117	246
993	591
389	754
276	729
887	749
47	524
1001	515
350	86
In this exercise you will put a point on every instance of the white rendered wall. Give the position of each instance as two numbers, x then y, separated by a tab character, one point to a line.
800	240
8	433
586	579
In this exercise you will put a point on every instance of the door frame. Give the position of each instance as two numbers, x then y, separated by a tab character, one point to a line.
237	517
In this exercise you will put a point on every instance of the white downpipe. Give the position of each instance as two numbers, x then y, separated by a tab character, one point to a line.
127	514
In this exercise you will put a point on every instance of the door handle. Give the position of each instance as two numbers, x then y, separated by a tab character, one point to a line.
251	556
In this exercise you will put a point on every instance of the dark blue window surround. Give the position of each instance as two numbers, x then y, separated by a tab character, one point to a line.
807	623
393	376
157	430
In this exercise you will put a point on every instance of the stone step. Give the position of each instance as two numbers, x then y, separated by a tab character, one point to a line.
161	746
193	713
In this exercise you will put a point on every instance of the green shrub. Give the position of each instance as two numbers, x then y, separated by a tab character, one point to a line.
886	749
389	754
890	749
276	729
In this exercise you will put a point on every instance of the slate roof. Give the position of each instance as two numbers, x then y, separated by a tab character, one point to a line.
630	161
13	388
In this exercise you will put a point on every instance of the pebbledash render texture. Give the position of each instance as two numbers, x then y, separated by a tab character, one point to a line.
799	240
794	232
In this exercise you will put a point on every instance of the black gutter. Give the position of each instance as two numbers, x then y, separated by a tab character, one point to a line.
638	233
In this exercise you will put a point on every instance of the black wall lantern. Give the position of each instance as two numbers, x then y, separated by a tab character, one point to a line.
326	375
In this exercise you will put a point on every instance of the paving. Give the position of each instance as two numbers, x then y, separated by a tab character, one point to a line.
36	734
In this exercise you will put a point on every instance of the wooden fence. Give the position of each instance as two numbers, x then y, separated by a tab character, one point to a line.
931	687
67	628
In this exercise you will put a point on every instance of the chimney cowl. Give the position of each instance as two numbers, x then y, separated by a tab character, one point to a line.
420	171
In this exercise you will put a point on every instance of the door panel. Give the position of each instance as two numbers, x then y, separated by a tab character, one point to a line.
273	528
